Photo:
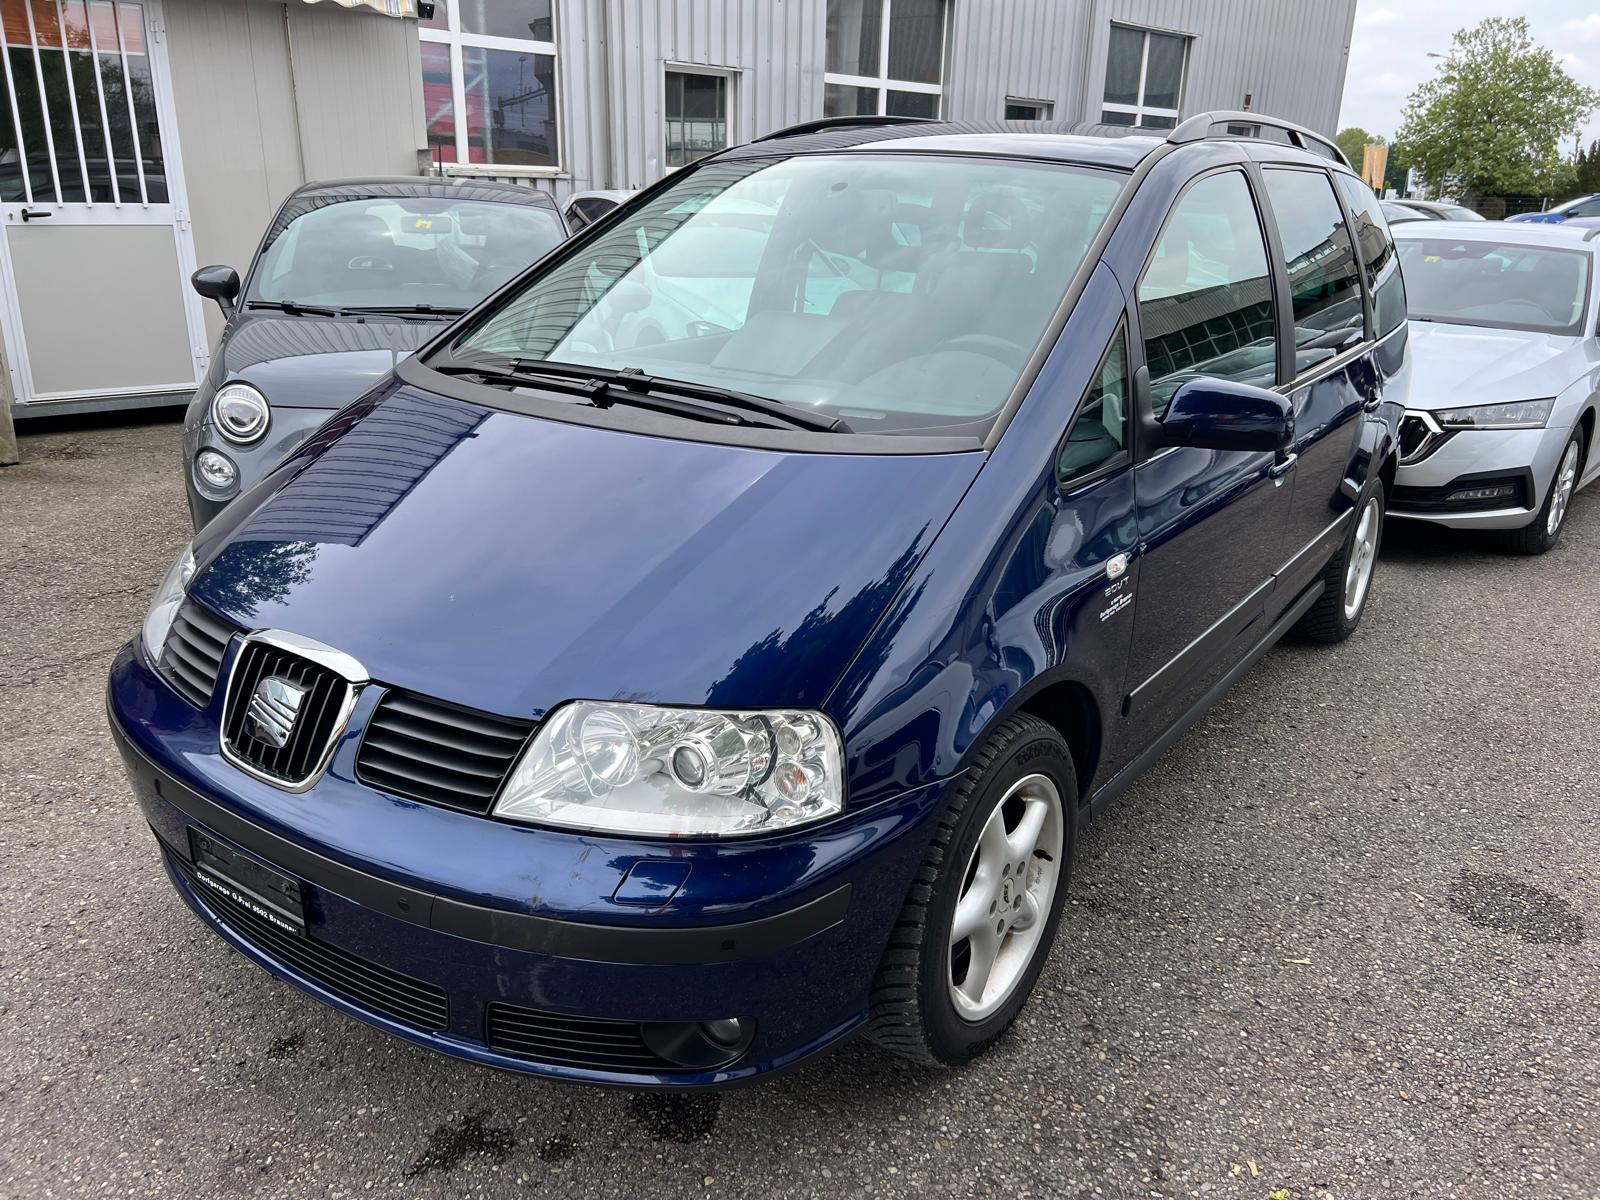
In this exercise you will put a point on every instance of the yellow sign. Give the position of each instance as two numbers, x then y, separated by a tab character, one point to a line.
1374	165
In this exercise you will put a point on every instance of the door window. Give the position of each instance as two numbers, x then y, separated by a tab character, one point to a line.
1205	300
1323	276
1099	433
1377	256
78	122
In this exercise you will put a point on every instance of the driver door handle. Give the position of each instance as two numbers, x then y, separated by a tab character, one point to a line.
1281	468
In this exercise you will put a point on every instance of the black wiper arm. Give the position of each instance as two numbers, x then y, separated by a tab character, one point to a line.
427	310
294	308
638	383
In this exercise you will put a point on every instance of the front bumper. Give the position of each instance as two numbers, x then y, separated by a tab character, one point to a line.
556	981
1523	459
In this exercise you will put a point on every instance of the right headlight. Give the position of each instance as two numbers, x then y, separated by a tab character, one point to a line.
165	604
240	413
677	772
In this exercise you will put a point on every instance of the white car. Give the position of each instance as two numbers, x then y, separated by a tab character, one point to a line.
1506	369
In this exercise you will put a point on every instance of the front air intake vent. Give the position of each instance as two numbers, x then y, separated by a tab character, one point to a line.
283	714
193	654
438	753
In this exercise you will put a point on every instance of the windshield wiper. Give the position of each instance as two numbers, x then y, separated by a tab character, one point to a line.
602	387
294	308
405	310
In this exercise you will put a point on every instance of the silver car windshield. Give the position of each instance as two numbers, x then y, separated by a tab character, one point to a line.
1495	285
398	252
900	293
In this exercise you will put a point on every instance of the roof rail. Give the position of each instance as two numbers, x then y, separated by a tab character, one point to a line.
822	123
1589	235
1198	128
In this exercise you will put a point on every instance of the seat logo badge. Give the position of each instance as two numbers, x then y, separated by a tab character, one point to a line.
1116	566
274	707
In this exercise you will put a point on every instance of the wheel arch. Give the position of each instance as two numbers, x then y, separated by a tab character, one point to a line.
1069	707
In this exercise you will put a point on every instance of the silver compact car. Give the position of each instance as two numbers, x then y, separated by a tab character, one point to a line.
1507	366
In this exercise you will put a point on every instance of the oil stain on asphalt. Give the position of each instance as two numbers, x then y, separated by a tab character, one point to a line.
676	1118
287	1047
1491	900
449	1145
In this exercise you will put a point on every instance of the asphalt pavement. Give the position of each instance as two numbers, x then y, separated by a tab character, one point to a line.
1342	941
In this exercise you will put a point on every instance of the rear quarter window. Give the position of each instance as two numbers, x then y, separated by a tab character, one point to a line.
1378	258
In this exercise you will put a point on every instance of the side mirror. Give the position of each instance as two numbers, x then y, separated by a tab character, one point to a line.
217	283
1216	414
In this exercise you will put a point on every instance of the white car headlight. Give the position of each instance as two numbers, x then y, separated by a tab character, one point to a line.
1521	414
164	607
677	772
240	413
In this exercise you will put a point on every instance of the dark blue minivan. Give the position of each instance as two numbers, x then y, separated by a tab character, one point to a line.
712	645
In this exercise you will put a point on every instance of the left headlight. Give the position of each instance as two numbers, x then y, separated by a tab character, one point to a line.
1520	414
240	413
164	607
677	772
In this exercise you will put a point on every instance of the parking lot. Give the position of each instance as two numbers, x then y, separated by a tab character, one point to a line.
1339	942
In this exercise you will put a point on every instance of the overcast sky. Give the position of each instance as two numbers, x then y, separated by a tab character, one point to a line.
1389	50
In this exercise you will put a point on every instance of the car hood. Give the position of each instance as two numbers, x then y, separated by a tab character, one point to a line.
509	563
1458	365
317	362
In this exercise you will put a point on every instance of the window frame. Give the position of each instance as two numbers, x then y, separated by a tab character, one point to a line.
1281	267
1268	229
730	76
456	39
1124	458
1045	110
882	82
1139	109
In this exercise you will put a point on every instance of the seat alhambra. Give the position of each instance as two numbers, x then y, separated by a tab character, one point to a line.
712	645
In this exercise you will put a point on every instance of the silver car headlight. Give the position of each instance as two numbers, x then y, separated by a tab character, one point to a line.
677	772
240	413
1520	414
164	607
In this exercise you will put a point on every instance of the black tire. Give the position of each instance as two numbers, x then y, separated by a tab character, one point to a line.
1536	537
1326	620
913	1014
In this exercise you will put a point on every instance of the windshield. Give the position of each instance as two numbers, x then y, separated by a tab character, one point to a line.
1497	285
901	294
396	252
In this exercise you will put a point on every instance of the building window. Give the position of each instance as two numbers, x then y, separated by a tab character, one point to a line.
1144	78
489	83
698	111
884	57
1029	110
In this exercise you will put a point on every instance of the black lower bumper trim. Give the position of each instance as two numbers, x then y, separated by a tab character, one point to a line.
665	945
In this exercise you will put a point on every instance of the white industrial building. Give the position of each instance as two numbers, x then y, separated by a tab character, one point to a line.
141	138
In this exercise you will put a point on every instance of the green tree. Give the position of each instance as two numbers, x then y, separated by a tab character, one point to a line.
1399	169
1491	121
1354	140
1586	174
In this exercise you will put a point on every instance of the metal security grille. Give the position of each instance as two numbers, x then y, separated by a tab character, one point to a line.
316	721
79	124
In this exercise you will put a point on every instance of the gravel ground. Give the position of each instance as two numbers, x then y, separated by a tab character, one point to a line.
1339	942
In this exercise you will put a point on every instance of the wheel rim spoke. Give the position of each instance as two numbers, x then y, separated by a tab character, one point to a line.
1022	841
985	950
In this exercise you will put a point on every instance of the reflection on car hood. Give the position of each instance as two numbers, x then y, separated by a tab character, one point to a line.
509	563
315	362
1457	365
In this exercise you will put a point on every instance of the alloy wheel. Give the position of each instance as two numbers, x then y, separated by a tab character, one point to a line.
1363	557
1566	479
1005	903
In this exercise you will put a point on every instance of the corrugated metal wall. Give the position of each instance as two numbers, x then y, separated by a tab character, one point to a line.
1289	55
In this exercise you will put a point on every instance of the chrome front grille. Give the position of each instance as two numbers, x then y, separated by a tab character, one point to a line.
288	701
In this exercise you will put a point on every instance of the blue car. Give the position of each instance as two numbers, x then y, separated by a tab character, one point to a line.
1583	206
656	702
